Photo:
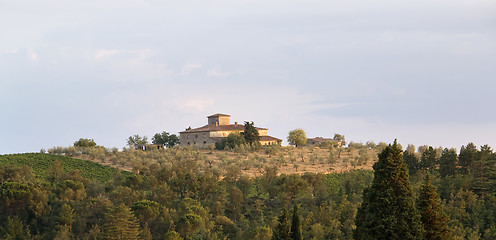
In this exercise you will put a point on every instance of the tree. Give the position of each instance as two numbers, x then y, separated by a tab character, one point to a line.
251	133
232	140
137	140
283	229
120	223
448	163
340	138
15	230
467	157
428	159
434	220
165	139
84	142
484	171
297	137
388	209
295	225
411	161
67	215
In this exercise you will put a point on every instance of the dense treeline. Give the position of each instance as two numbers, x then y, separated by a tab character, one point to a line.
177	197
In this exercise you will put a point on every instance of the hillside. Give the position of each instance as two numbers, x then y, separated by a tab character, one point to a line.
287	160
40	163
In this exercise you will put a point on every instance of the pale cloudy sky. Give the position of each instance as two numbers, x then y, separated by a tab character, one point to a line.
421	71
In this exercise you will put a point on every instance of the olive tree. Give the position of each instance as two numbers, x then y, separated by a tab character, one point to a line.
297	137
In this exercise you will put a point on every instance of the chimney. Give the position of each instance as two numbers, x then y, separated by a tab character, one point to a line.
236	123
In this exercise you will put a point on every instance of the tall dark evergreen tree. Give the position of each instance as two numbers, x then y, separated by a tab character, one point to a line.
411	161
428	159
434	220
448	163
388	210
251	133
295	225
283	229
484	171
467	157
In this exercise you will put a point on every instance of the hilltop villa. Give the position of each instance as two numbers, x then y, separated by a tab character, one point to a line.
219	126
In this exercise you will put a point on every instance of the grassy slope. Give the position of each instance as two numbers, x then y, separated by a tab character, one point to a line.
40	163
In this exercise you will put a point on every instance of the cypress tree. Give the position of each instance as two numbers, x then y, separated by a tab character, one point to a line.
433	218
283	229
295	225
251	133
388	209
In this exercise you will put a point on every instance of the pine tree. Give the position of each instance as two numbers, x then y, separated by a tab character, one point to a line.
467	157
283	229
484	171
295	225
411	161
120	223
433	218
448	163
388	209
428	159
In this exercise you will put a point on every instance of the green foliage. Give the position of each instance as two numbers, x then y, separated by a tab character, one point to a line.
165	139
42	163
177	194
340	138
251	133
283	228
412	162
297	137
136	140
467	157
388	210
295	225
84	142
120	223
14	230
233	140
428	159
434	221
448	163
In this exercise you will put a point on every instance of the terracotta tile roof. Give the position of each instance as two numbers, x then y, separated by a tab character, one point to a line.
262	138
214	128
321	139
219	115
269	138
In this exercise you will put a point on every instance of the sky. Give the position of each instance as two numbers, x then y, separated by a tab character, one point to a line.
422	72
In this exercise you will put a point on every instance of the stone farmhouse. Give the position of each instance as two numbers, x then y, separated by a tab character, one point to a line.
219	126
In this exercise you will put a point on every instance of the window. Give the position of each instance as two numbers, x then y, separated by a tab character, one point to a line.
204	135
196	135
204	142
188	143
187	137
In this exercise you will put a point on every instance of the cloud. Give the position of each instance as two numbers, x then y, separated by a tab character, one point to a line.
32	55
188	68
217	73
104	53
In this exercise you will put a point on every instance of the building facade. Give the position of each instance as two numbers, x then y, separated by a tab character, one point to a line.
219	126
